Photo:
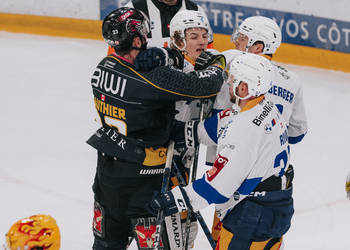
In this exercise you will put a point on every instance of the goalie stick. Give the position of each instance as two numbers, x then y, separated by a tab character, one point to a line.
165	183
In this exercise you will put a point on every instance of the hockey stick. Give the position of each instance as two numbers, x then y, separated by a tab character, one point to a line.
197	214
193	178
165	183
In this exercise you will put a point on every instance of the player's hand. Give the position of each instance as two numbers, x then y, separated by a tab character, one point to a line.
206	59
154	57
151	58
176	58
171	202
184	134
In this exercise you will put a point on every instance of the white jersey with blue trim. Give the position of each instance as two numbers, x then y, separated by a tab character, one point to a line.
252	146
286	92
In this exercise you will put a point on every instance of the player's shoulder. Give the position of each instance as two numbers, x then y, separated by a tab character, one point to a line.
232	53
284	73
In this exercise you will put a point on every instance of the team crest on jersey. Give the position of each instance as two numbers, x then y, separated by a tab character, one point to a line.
219	164
224	113
145	230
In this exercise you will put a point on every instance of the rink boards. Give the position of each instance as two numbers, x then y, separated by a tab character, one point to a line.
307	40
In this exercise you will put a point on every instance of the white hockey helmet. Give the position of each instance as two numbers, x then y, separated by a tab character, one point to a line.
260	28
186	19
256	71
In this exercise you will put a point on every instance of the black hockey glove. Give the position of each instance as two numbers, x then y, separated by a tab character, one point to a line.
151	58
171	202
176	58
184	134
155	57
206	58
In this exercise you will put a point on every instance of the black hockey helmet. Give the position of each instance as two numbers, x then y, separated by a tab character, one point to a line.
121	26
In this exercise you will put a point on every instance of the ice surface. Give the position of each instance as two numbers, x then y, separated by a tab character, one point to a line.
46	167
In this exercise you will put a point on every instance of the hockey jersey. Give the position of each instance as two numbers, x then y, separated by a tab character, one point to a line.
190	109
286	93
252	146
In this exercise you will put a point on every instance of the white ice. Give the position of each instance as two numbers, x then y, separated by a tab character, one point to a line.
46	167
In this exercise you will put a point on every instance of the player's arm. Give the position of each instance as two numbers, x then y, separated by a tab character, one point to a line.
176	85
297	127
217	185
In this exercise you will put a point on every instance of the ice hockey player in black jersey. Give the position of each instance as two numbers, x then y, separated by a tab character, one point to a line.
137	112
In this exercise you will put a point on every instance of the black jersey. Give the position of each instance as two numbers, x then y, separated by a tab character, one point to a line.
141	105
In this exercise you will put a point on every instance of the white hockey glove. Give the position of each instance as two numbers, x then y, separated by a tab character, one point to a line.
347	186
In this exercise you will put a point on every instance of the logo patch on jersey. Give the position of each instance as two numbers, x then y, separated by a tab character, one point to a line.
268	128
263	114
219	164
145	230
224	113
98	223
103	98
236	196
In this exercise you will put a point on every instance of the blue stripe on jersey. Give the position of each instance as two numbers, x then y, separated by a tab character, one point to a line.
205	190
211	127
215	111
296	139
249	185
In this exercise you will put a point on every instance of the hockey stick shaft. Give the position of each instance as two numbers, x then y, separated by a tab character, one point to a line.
198	215
164	188
194	175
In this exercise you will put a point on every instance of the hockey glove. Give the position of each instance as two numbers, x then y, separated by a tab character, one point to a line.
185	134
206	59
151	58
155	57
171	202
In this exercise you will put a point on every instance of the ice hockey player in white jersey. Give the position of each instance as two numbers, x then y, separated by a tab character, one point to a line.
253	154
261	35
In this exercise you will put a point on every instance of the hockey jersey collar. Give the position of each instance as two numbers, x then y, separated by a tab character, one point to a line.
189	59
121	58
252	103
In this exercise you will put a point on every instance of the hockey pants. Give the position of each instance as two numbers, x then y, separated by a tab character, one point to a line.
256	220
